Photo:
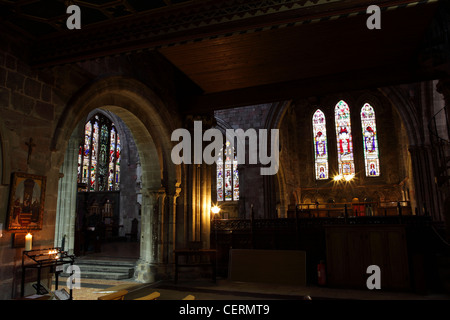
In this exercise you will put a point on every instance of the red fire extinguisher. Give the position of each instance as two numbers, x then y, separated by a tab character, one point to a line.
321	273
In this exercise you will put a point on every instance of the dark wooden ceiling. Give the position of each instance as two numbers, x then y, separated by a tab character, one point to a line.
41	18
241	52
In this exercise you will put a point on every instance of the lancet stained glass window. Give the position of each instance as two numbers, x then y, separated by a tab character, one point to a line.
227	178
346	163
320	145
370	140
99	155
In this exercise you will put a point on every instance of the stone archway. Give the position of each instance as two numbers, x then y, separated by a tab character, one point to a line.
151	125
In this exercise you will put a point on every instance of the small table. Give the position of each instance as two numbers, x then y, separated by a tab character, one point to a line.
200	252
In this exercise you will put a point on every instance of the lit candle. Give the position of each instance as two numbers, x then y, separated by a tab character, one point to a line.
28	242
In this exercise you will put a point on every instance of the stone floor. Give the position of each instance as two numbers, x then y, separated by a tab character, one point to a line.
205	289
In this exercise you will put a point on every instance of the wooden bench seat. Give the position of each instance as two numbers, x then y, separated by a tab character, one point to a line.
152	296
119	295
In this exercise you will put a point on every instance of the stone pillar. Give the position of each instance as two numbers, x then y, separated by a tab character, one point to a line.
205	215
67	198
198	189
157	223
172	196
427	194
147	265
443	87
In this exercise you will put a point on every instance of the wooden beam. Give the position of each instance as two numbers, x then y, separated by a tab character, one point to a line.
303	88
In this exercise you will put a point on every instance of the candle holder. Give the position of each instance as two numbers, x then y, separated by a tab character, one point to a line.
42	258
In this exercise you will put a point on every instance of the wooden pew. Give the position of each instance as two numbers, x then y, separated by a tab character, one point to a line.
119	295
152	296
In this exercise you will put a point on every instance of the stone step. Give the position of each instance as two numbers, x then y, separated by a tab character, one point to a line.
104	269
106	275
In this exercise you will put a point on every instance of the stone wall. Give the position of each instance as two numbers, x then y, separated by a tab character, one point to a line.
29	106
39	104
297	156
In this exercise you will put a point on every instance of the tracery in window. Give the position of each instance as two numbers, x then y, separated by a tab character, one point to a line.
346	163
370	140
99	155
227	178
320	145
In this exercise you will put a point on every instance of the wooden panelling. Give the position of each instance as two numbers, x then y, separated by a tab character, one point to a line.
351	249
268	266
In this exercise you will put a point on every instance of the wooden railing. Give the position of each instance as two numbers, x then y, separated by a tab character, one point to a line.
352	209
328	214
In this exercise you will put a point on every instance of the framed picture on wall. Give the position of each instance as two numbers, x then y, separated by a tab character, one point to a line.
26	202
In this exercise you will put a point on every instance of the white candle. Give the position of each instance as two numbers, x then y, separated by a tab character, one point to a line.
28	242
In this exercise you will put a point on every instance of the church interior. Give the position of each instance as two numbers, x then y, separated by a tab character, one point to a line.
358	100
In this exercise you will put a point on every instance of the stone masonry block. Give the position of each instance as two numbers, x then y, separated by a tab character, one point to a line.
22	103
46	93
4	98
32	88
15	81
44	110
10	62
3	73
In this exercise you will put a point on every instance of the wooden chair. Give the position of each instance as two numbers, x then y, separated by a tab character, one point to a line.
119	295
189	297
152	296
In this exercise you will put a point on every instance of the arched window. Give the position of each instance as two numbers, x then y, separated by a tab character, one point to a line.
227	175
320	145
346	163
370	140
99	155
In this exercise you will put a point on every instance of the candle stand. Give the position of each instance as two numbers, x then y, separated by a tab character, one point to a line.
45	258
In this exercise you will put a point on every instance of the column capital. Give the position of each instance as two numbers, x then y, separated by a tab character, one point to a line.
173	192
156	193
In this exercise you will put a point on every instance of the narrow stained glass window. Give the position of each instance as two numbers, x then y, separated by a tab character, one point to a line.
220	176
228	173
235	178
117	168
99	156
86	152
112	157
227	177
80	161
320	145
370	140
346	163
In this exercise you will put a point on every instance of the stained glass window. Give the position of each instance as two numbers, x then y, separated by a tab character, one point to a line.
227	178
370	140
346	163
219	179
320	145
99	155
